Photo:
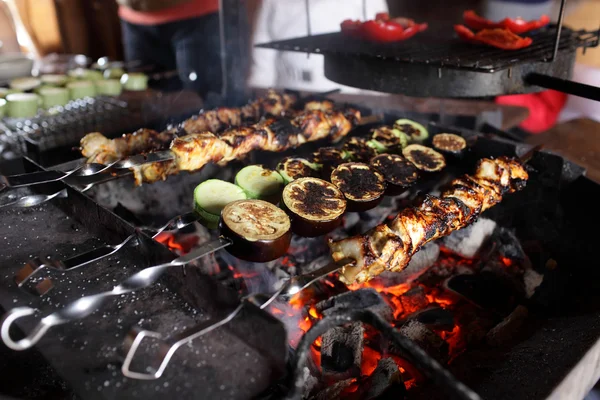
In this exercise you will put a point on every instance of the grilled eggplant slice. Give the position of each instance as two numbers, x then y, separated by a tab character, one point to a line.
399	174
357	149
291	168
387	140
259	231
416	131
315	206
260	183
362	185
424	158
450	145
329	158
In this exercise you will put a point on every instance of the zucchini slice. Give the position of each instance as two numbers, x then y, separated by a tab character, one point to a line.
25	84
414	130
259	182
328	158
358	149
425	158
387	140
291	168
211	196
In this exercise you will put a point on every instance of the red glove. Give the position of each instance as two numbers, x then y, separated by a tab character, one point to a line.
544	108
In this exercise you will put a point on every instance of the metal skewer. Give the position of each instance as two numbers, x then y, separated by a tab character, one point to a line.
169	345
86	305
35	265
36	178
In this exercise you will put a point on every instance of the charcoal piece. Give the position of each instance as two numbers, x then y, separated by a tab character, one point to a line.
414	300
385	378
506	330
468	241
431	343
532	280
341	352
436	318
333	391
509	246
487	289
419	264
422	260
359	299
310	382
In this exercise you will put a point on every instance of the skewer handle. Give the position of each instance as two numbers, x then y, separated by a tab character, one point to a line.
86	305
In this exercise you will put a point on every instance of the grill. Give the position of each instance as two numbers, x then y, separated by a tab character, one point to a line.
88	355
446	67
435	48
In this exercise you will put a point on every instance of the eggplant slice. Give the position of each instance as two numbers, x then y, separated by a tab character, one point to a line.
425	158
358	149
259	231
449	144
399	174
315	206
329	158
362	185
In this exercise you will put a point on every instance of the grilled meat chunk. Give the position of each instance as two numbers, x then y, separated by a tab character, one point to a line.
390	247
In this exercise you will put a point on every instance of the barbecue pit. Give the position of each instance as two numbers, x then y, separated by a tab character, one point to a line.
563	268
508	305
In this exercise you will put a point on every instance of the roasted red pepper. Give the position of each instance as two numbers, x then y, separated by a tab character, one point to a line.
500	38
382	28
517	25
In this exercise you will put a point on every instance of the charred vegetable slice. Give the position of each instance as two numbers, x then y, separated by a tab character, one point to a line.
399	174
211	196
449	144
258	230
387	140
315	206
414	130
425	158
357	149
362	185
329	158
291	168
260	183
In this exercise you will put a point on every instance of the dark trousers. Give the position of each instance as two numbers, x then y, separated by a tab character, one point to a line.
190	46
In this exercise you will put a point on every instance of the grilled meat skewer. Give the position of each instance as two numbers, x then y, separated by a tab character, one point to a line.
390	247
98	148
192	152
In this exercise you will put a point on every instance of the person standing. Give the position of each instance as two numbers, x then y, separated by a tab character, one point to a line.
180	35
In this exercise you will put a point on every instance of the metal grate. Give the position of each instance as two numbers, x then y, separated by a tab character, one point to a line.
64	126
440	49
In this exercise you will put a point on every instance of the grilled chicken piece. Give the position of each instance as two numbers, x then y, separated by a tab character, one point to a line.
194	151
97	148
390	247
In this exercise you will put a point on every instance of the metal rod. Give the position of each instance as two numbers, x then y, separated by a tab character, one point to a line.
308	27
223	45
453	388
364	9
564	85
561	15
